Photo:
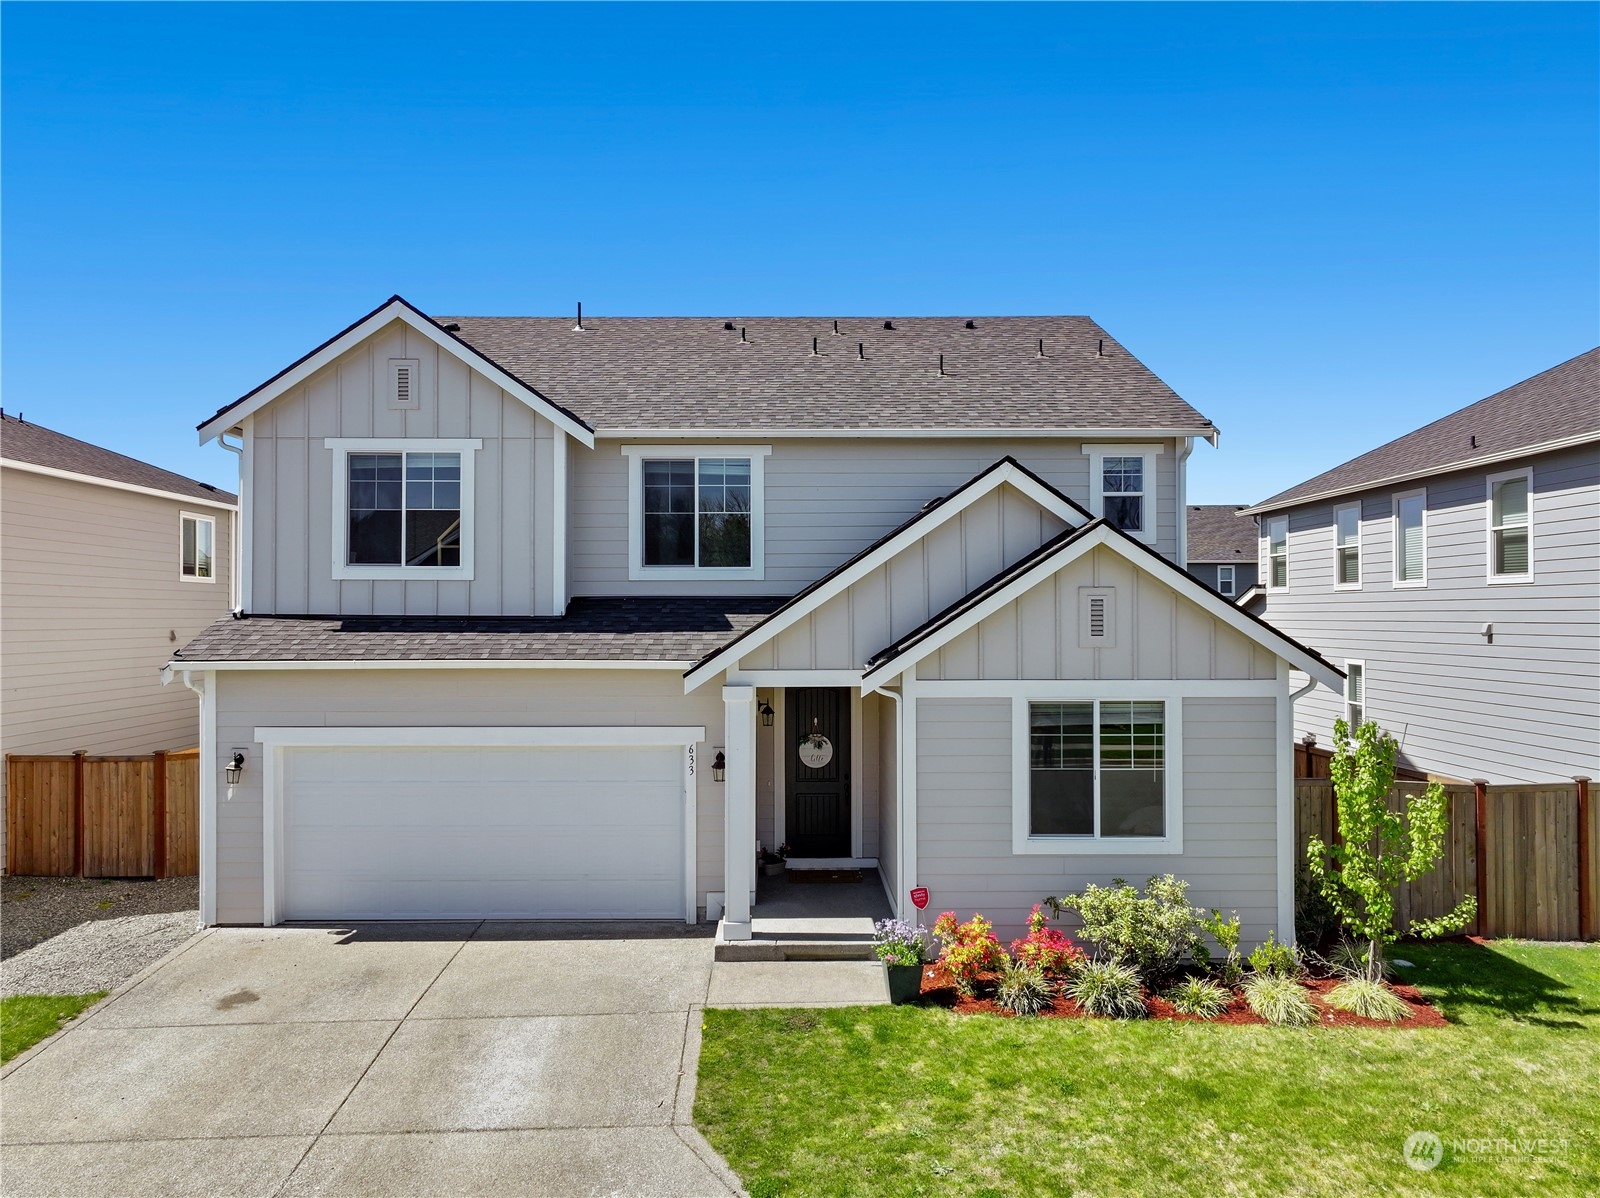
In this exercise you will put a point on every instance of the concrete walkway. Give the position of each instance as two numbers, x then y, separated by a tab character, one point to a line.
391	1059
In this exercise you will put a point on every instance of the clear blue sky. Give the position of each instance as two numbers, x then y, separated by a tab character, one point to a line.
1323	225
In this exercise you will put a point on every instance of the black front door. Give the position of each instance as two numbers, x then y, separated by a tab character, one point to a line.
817	823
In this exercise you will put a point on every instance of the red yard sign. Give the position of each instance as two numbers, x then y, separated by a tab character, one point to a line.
919	897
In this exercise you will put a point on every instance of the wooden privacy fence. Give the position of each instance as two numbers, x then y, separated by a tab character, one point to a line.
103	817
1528	852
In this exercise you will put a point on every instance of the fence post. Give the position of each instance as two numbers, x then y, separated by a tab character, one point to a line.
158	820
1480	799
1585	929
77	811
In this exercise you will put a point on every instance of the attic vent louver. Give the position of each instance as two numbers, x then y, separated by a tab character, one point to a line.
404	383
1097	625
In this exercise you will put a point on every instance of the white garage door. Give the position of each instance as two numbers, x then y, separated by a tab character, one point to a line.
442	833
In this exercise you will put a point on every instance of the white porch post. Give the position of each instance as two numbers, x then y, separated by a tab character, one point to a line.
739	811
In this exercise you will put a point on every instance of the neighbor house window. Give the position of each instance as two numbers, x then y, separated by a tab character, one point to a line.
1347	547
1510	519
1225	580
1122	481
1278	553
1410	539
1097	769
403	510
696	513
197	536
1355	694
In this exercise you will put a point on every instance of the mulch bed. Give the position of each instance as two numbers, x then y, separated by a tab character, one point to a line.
939	989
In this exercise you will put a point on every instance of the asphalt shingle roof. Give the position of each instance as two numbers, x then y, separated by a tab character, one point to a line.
1218	533
692	373
611	629
22	441
1560	403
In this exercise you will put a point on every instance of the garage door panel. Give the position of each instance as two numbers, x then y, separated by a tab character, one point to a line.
495	833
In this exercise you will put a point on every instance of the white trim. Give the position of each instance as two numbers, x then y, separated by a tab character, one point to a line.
1397	531
878	432
1098	453
247	490
392	311
207	690
1102	537
1284	809
1071	689
1266	573
848	577
907	865
795	677
558	548
1378	484
1337	512
514	737
1025	843
198	519
637	570
96	481
1490	480
343	447
691	835
739	812
400	663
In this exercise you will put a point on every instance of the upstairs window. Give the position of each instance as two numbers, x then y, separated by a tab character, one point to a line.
1225	581
1510	525
403	510
1410	539
1278	553
196	536
695	514
1122	487
1355	694
1347	548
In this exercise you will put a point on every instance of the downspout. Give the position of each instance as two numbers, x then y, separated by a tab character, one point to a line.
1295	695
235	553
208	796
1183	502
900	885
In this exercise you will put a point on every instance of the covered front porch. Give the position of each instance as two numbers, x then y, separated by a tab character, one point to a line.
806	914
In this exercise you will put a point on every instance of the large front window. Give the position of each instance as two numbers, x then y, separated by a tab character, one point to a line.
1097	769
404	509
697	512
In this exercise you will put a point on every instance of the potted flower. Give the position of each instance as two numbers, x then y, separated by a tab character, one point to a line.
774	861
902	948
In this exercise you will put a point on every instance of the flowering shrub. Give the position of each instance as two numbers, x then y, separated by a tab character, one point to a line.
968	949
898	943
1047	949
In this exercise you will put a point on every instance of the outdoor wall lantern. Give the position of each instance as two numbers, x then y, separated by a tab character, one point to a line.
766	714
235	769
719	768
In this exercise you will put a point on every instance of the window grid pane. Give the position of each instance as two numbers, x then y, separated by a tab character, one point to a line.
1125	796
724	514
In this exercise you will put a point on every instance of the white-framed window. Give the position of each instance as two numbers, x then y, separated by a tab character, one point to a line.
1411	539
403	508
1277	578
1225	581
1122	487
1097	776
197	538
1355	694
1511	526
696	511
1347	548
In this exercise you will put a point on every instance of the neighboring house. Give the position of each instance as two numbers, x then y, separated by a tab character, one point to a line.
1455	573
1222	548
549	619
107	564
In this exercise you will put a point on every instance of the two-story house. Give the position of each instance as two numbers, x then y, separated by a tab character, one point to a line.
557	618
1455	574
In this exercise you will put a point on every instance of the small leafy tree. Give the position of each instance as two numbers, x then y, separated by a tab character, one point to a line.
1381	848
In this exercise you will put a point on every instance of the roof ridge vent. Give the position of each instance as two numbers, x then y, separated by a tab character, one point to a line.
578	328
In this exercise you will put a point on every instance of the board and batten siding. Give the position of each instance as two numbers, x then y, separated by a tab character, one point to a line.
964	809
247	700
1524	707
826	499
1158	634
289	490
94	605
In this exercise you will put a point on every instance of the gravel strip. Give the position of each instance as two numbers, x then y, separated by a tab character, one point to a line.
34	909
98	955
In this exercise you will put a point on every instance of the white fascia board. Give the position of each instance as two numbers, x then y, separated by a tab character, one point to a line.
877	432
434	737
96	481
1177	579
1392	480
543	663
899	543
392	311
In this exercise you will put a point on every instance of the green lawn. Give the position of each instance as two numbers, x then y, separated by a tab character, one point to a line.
899	1100
25	1019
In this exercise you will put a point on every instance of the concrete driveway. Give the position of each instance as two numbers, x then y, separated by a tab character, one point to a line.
389	1059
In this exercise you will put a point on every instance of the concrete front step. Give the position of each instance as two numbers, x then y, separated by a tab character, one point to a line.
800	939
